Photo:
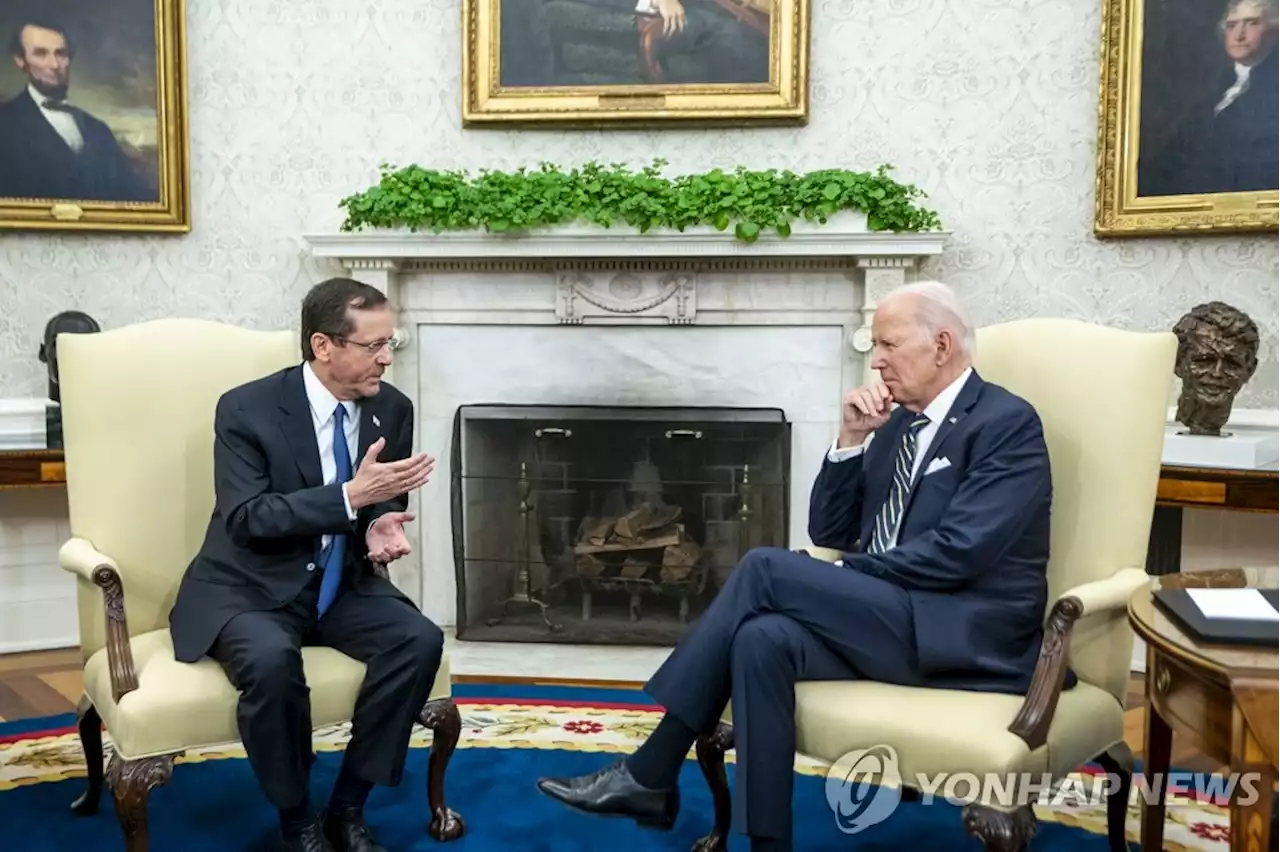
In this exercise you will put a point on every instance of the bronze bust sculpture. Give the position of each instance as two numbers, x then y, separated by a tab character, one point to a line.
67	322
1217	355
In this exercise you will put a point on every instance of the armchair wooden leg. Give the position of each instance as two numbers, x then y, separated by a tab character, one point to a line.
131	784
710	750
1001	831
90	726
1118	761
442	717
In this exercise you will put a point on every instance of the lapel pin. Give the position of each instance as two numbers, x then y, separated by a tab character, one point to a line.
953	420
376	421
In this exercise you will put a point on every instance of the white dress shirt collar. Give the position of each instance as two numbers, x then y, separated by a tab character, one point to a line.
937	410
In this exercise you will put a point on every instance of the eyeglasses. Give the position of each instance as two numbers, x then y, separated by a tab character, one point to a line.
373	347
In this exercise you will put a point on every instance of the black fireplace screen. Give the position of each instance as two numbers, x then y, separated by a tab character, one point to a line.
608	525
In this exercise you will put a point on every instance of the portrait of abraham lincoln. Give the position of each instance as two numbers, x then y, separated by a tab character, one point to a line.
91	114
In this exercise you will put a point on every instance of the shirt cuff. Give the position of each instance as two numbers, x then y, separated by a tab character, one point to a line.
837	454
346	501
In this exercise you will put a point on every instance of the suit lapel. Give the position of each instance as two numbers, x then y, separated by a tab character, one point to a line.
371	427
959	411
299	431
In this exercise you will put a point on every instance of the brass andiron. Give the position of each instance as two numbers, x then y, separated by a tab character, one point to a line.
522	593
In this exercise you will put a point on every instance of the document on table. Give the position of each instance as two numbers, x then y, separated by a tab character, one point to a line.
1244	604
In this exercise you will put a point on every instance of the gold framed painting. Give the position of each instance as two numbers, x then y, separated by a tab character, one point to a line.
637	62
93	116
1187	138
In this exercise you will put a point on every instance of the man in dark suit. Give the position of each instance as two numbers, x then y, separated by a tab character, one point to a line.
941	510
50	148
290	559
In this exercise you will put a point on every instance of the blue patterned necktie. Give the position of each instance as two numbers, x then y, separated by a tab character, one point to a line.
338	544
891	511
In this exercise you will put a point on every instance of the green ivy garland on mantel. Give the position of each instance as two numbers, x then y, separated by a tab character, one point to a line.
751	201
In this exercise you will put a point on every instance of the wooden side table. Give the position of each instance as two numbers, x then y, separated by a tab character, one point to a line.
1221	697
32	469
1184	488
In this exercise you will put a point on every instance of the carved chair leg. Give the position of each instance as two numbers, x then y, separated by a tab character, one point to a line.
1001	831
710	750
131	784
90	725
1118	761
442	717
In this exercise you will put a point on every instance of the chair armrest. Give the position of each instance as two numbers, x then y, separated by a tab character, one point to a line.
81	558
826	554
1109	595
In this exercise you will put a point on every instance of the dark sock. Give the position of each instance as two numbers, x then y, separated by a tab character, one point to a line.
656	764
770	844
349	792
296	818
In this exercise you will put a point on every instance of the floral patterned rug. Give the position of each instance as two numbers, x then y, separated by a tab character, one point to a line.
512	733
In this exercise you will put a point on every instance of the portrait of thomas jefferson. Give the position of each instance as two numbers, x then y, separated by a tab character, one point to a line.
68	135
1209	98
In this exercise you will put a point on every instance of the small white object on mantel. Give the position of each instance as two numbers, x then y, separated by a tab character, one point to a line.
23	424
1238	447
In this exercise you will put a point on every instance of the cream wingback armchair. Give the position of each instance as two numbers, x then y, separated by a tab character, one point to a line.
138	407
1102	396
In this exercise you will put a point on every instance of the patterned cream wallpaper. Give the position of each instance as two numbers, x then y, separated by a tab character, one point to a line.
990	106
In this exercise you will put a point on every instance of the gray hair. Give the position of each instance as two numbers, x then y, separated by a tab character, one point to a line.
940	310
1269	9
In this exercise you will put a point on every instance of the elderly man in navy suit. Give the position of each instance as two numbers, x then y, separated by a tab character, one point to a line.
937	491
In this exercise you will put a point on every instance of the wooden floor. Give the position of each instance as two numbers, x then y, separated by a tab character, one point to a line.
47	683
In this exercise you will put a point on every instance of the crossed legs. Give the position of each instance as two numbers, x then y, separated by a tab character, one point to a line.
781	618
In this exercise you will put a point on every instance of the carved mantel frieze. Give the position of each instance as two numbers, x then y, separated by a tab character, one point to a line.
626	296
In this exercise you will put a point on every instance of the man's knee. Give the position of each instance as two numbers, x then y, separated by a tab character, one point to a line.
764	637
760	561
270	668
422	642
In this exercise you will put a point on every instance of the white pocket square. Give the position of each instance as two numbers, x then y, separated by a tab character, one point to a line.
937	465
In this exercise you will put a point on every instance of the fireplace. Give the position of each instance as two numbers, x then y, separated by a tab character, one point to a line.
612	525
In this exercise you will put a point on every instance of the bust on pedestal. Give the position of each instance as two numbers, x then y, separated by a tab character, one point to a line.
1217	355
67	322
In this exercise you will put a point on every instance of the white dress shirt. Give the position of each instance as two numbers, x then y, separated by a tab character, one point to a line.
323	405
63	122
936	411
1236	89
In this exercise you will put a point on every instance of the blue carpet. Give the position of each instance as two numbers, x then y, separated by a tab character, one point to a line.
216	805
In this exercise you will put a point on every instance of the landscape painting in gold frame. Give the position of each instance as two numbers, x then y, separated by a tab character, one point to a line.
93	116
1187	139
637	62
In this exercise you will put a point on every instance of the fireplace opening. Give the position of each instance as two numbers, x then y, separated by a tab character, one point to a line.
608	525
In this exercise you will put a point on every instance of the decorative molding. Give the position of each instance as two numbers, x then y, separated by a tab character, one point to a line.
844	235
627	296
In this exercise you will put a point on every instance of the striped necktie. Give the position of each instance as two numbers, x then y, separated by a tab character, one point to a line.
891	511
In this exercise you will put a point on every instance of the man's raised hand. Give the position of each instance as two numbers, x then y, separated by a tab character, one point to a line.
376	481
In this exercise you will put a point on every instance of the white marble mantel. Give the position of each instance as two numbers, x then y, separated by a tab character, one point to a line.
584	315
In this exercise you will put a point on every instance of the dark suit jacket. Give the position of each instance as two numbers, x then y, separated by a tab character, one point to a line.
1235	150
271	507
973	545
35	162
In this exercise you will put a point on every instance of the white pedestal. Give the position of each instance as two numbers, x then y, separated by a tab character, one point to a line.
1245	447
22	424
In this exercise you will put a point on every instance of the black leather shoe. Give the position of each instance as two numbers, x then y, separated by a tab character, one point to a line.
347	832
613	792
310	840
